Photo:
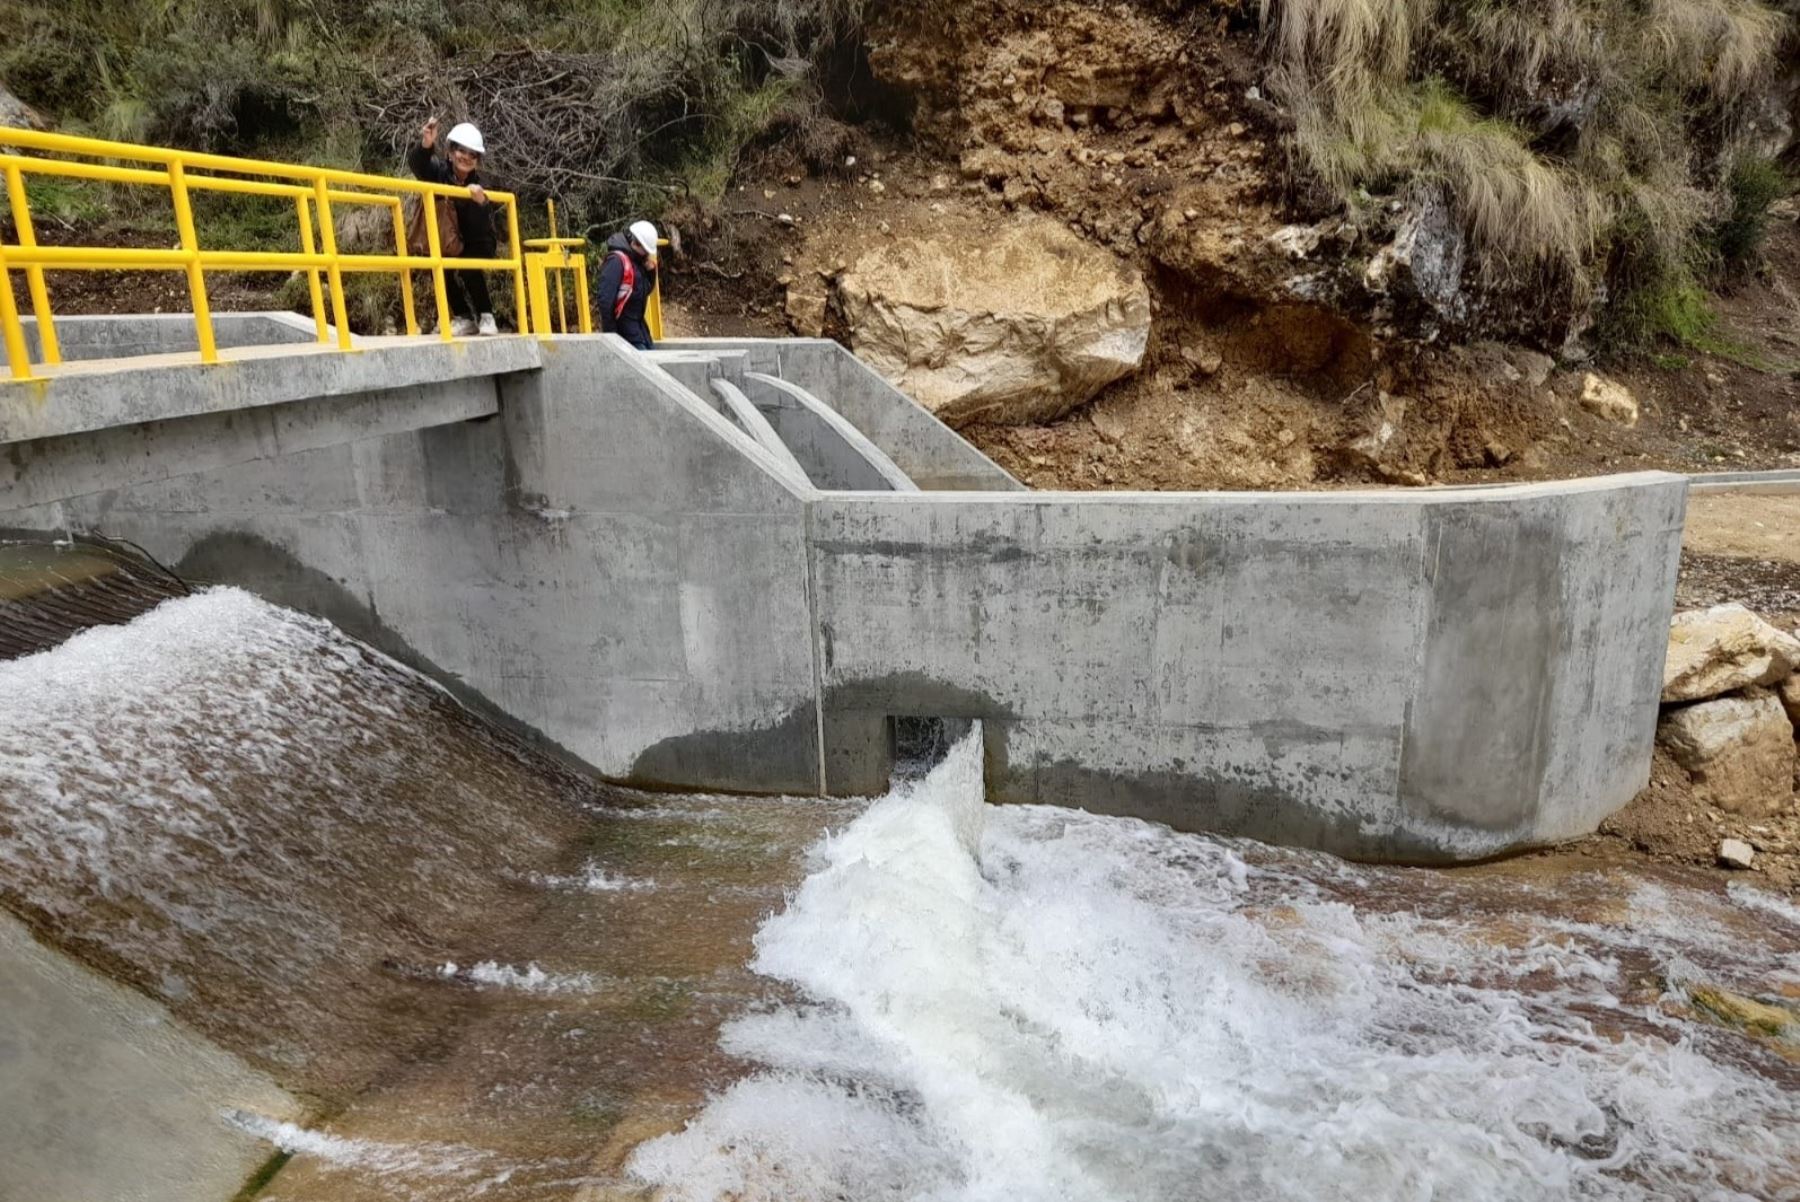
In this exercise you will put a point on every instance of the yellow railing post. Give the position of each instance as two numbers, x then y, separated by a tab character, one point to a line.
428	204
406	287
562	308
582	306
308	247
334	271
34	276
536	271
10	328
512	227
196	274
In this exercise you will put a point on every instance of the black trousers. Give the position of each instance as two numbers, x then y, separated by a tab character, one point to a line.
468	287
634	331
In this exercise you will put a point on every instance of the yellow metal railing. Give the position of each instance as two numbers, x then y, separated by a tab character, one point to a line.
564	257
314	191
567	257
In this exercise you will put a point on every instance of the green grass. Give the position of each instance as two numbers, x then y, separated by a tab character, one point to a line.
65	201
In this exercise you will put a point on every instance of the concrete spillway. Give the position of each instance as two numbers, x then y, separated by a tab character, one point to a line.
735	564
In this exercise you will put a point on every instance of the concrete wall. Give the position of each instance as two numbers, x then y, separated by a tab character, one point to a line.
931	454
1416	676
123	335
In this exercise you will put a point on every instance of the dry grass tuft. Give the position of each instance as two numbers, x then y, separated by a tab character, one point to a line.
1557	128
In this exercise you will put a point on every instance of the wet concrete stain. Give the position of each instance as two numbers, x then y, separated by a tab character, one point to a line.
781	757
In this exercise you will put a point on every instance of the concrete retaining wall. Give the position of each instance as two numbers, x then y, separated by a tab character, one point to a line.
610	564
1413	676
104	1095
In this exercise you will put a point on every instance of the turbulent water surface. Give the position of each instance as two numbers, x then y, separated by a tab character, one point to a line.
503	982
1030	1003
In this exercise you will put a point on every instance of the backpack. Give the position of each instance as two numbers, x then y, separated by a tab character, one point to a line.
627	282
418	238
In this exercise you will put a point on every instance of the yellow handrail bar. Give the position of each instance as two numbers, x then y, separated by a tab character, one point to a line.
98	148
314	190
106	173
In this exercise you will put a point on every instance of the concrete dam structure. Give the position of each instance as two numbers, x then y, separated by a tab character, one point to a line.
732	565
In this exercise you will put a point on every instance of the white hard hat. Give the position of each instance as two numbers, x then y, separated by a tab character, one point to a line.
645	233
467	137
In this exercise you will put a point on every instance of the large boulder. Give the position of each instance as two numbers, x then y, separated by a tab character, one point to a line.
1723	649
1739	751
1015	327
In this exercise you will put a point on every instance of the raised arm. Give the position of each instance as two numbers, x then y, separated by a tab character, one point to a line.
422	159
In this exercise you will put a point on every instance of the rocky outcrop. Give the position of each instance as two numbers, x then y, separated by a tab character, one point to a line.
17	113
1723	649
1016	326
1738	750
1423	264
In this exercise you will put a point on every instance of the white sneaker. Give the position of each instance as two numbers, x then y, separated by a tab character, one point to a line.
461	327
487	325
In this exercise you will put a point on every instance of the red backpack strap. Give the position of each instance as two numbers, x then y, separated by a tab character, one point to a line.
627	282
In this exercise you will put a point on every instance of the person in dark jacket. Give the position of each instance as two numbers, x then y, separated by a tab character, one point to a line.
469	298
626	280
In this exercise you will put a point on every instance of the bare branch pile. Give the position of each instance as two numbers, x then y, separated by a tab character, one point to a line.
570	126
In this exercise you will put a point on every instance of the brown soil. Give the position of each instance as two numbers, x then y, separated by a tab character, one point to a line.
1744	526
1664	822
1297	389
1141	133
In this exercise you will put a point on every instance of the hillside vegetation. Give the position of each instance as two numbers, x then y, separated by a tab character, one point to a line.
601	103
1586	145
1605	160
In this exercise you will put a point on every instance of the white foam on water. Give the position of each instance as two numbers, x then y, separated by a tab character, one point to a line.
189	789
1021	1003
593	878
1750	897
372	1156
530	979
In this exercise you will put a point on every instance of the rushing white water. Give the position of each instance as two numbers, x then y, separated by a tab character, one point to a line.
1026	1003
388	1159
245	812
530	979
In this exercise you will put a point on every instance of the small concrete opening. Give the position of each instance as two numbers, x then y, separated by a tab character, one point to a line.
919	744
